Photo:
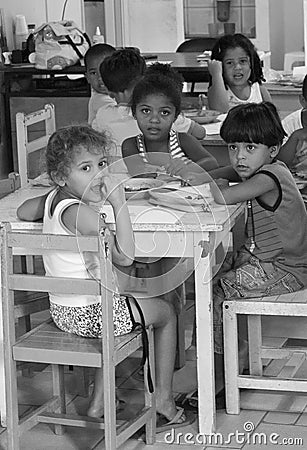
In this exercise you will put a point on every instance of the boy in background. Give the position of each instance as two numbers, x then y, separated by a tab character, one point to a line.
120	72
294	149
99	93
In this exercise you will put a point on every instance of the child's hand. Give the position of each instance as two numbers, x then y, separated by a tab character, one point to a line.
112	190
190	172
215	68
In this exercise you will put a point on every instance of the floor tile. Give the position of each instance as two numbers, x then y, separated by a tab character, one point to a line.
273	401
270	437
302	420
281	418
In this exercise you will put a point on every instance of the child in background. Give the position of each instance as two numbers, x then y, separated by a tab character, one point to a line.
120	72
294	149
273	259
99	93
77	162
182	124
236	74
155	104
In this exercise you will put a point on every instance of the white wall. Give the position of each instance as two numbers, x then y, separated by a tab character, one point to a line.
286	29
40	11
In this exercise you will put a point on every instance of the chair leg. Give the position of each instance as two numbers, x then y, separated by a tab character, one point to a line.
254	345
109	402
231	359
59	390
12	419
150	399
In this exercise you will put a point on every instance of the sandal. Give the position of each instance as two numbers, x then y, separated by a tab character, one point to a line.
181	419
190	401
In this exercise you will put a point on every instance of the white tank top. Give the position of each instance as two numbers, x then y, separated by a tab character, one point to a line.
66	264
255	96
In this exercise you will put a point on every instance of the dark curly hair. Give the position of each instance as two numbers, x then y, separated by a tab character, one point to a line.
156	84
168	71
64	143
257	123
228	41
122	69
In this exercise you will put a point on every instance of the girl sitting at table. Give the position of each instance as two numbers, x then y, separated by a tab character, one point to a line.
235	74
77	162
155	104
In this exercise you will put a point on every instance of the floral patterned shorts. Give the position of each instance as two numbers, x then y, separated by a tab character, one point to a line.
86	321
247	277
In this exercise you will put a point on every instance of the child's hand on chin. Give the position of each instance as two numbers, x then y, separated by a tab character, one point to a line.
112	190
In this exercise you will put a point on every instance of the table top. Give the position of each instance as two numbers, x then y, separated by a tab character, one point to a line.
173	220
180	61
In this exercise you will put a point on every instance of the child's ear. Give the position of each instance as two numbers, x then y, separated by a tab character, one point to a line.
58	179
274	149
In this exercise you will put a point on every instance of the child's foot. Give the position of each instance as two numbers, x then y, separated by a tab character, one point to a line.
96	408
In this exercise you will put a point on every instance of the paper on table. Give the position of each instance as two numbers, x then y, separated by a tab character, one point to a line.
141	214
213	128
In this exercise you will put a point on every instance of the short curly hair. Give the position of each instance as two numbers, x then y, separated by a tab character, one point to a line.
64	143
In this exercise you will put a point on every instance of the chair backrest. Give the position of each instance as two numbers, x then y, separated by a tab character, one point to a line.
197	44
38	244
10	184
24	146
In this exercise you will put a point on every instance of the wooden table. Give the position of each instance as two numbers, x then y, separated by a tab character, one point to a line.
189	236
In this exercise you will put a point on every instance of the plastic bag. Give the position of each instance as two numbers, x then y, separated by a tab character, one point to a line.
59	44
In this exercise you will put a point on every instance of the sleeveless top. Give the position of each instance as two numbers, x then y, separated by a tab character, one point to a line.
278	234
255	96
67	264
174	148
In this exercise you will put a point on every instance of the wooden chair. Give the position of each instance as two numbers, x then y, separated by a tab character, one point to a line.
25	147
9	184
277	375
47	344
196	45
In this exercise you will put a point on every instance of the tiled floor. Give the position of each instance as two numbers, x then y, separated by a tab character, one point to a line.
262	423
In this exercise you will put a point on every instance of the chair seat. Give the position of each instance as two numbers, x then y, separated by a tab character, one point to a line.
48	344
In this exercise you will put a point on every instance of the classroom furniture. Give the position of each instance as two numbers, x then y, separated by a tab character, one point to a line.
9	184
48	345
291	58
173	234
196	45
282	361
25	147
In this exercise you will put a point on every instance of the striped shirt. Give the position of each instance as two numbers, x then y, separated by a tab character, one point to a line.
174	147
278	233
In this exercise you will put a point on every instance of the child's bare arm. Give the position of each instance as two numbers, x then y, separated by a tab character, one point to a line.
217	93
266	96
196	152
254	187
287	152
32	210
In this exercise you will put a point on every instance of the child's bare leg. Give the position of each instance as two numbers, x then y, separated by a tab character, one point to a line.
96	404
161	315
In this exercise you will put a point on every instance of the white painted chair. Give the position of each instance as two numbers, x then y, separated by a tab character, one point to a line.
276	375
47	344
25	147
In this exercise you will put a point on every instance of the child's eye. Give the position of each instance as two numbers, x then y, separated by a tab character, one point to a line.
232	147
86	168
145	111
165	113
103	163
250	147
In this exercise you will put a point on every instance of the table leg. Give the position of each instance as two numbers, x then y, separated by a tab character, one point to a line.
204	333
